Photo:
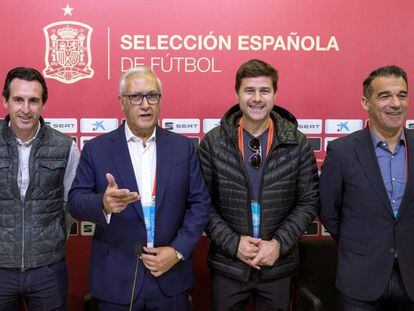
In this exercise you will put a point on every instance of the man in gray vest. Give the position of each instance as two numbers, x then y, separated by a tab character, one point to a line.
37	166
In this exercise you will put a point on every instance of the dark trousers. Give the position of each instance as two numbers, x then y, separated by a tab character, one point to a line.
229	294
43	288
150	297
394	298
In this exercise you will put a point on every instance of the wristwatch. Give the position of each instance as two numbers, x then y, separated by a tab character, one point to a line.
180	256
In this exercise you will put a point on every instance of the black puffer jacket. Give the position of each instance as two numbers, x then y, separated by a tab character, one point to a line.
289	195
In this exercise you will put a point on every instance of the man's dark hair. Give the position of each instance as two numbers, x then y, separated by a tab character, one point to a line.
382	72
26	74
256	68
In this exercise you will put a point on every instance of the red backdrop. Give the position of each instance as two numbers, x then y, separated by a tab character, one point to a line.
323	50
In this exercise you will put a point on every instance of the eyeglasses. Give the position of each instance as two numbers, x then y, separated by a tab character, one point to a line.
137	99
256	158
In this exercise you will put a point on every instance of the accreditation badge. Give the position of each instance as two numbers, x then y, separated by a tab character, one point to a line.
255	206
148	209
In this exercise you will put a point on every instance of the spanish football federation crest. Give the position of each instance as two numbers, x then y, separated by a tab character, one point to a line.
68	51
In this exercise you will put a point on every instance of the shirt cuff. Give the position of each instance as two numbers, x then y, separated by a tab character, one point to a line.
107	217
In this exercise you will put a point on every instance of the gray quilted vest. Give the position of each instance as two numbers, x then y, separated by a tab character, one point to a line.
32	231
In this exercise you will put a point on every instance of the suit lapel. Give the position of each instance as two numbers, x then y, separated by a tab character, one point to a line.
165	154
409	137
119	152
366	155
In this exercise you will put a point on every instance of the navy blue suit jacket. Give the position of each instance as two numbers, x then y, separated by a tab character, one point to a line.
182	209
356	210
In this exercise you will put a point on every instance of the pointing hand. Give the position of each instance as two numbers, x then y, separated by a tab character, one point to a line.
116	200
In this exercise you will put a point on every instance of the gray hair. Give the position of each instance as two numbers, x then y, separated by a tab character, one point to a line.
144	70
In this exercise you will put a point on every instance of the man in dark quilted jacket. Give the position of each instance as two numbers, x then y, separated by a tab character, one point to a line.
263	181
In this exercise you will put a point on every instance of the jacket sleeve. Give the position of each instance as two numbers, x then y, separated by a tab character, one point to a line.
307	200
198	206
331	193
220	234
84	201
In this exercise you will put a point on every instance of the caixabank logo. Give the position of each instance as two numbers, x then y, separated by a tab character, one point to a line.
68	57
342	126
102	125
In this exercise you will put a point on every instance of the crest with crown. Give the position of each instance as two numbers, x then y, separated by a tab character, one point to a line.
68	56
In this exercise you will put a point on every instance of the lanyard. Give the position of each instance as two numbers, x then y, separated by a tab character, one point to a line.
154	186
269	137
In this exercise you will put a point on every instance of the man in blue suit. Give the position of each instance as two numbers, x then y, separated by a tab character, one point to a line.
367	200
142	187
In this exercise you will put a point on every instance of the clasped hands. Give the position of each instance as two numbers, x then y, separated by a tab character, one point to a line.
257	252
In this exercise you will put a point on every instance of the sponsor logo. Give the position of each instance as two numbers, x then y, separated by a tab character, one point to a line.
327	140
98	125
341	126
310	126
324	232
68	55
209	124
409	124
74	229
63	125
316	143
185	126
87	228
313	229
84	139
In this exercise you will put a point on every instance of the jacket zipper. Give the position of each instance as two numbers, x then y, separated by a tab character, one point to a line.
22	263
259	199
246	177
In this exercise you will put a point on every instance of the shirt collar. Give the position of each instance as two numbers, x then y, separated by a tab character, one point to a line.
131	137
30	141
377	140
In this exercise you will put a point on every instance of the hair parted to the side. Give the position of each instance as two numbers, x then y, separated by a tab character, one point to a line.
385	71
26	74
256	68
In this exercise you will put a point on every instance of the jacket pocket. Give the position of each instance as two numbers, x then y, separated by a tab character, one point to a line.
4	172
353	246
50	173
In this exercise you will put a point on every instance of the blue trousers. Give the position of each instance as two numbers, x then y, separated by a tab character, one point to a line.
43	288
150	298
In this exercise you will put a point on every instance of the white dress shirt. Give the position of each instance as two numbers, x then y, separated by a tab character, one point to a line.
144	162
